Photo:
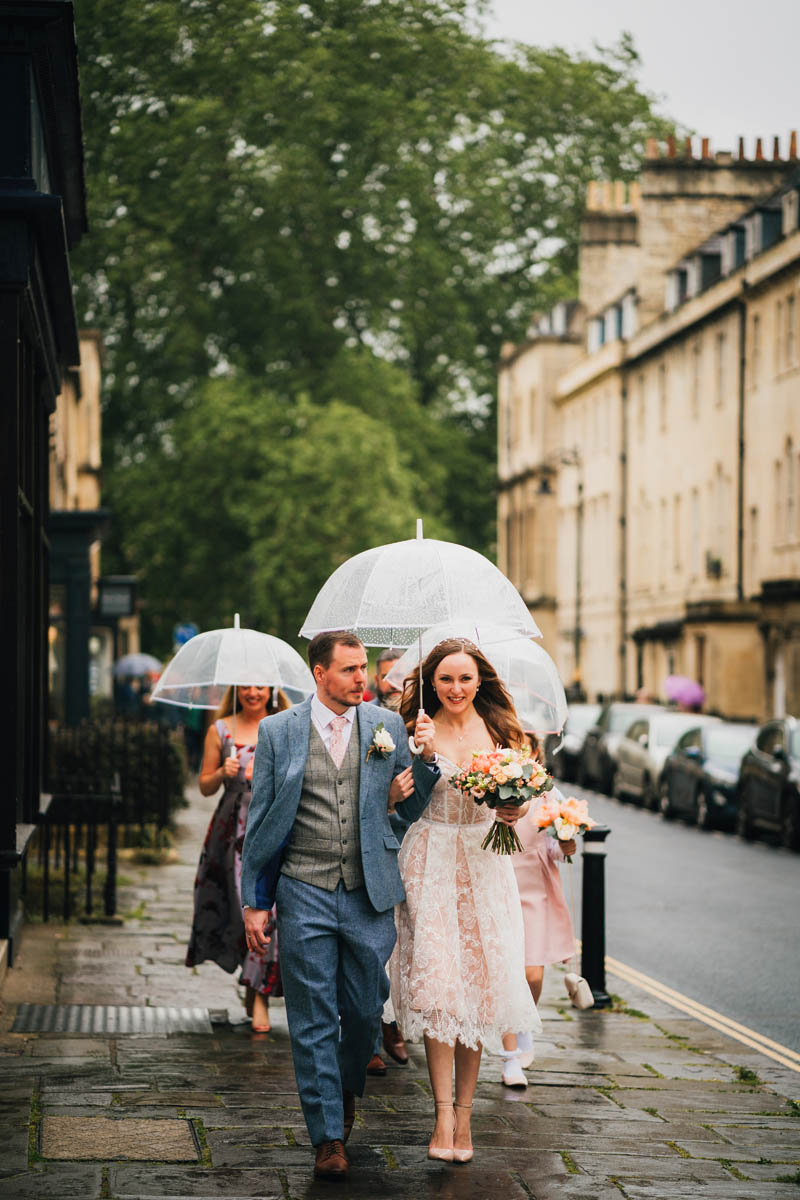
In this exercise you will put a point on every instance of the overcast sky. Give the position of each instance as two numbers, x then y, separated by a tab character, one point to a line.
721	67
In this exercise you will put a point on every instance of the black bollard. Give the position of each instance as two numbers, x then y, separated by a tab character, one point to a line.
593	914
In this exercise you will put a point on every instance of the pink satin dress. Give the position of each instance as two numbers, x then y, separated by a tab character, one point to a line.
549	937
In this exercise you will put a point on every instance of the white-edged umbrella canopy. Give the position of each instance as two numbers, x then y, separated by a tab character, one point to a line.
207	665
390	594
526	669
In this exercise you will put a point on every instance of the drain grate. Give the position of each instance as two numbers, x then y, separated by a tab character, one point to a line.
109	1019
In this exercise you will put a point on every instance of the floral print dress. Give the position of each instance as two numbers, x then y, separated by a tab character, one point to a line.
218	929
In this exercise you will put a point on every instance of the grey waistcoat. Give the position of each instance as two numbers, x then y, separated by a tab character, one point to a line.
325	843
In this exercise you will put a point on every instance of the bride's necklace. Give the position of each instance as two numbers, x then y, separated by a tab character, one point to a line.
460	737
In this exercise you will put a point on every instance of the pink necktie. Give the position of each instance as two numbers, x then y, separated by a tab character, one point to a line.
337	746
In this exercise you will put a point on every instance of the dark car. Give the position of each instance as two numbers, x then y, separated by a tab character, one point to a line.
701	777
598	764
769	783
562	752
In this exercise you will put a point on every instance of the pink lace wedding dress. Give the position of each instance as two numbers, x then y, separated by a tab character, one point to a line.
458	969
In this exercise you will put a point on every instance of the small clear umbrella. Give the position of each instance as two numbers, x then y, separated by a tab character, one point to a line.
526	669
137	664
207	665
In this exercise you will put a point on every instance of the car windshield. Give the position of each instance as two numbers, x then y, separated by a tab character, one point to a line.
580	719
619	719
667	732
728	744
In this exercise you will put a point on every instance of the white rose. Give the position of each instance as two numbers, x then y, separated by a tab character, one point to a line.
383	741
513	770
565	831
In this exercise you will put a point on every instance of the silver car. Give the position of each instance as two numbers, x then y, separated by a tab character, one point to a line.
644	749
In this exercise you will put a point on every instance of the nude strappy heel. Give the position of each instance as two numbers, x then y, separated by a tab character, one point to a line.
462	1156
439	1153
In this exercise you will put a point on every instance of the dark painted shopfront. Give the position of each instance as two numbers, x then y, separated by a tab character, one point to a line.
42	216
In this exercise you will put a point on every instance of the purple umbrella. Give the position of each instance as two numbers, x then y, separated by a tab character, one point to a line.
684	690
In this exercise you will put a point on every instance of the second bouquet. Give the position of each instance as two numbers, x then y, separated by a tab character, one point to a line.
498	778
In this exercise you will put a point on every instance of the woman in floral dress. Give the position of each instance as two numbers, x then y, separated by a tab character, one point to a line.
218	929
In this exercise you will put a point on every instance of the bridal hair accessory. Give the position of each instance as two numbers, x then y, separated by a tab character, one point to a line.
382	743
502	777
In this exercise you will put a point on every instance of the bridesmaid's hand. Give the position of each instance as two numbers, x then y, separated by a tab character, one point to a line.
230	767
509	814
256	922
569	848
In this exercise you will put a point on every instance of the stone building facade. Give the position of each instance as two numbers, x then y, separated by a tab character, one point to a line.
669	438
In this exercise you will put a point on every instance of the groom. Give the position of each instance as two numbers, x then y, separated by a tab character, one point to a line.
321	780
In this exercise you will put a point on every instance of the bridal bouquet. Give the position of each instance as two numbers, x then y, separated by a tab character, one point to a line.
499	777
564	819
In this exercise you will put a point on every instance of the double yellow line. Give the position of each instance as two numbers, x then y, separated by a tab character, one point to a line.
709	1016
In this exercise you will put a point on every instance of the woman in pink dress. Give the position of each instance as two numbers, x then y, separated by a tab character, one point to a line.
549	936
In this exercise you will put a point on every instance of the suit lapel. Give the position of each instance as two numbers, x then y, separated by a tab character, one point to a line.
366	723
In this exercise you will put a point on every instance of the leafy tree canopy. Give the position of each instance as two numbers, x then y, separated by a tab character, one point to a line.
354	201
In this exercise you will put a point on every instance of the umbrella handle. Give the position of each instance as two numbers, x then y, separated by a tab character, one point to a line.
412	745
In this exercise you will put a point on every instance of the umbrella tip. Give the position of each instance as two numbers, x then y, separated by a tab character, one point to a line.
235	620
419	529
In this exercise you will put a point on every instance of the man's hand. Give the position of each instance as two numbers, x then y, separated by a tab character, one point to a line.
255	929
401	787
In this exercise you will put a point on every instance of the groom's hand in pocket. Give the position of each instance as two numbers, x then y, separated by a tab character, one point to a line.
401	787
255	929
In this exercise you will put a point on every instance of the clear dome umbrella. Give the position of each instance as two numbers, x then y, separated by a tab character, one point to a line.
388	595
207	665
526	669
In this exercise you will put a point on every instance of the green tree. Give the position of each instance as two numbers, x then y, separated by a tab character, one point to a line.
356	201
250	503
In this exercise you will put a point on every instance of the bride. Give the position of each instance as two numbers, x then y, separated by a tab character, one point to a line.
457	972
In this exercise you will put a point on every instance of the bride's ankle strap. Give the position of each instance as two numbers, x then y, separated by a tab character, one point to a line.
457	1105
444	1103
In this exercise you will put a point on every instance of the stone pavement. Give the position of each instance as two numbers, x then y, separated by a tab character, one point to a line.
639	1102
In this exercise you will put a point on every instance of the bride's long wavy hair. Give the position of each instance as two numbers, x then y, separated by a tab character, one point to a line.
492	702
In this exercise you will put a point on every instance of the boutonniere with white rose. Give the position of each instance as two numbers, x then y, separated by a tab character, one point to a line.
382	743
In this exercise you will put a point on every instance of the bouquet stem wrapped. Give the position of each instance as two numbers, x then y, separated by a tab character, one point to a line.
498	778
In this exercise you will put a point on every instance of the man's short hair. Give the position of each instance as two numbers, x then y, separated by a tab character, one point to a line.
389	656
321	647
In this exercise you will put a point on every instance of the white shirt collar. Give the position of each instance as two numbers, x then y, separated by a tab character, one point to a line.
324	715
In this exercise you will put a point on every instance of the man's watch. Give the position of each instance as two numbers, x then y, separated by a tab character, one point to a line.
431	762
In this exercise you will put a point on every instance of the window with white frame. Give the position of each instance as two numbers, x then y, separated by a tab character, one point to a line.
790	529
696	533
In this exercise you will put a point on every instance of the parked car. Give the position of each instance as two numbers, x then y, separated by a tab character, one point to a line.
701	776
643	750
598	762
562	752
769	783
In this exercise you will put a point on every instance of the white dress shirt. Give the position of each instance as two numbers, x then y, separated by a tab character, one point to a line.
322	716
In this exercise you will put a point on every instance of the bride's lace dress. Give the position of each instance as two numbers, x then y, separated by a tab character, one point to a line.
458	969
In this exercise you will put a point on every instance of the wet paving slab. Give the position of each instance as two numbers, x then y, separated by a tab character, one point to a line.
618	1104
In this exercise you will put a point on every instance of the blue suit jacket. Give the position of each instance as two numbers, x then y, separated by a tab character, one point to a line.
278	770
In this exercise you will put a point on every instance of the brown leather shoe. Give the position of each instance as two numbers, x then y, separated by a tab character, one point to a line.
331	1161
349	1107
393	1043
376	1065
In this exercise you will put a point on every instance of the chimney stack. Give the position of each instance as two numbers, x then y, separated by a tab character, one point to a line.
776	149
793	145
706	148
759	151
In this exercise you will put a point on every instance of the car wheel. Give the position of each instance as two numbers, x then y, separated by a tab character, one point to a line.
664	802
790	824
744	826
703	815
650	795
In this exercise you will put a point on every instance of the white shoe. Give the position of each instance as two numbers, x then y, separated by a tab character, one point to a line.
512	1071
525	1049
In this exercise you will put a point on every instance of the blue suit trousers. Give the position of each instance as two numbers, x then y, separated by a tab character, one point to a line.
334	948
